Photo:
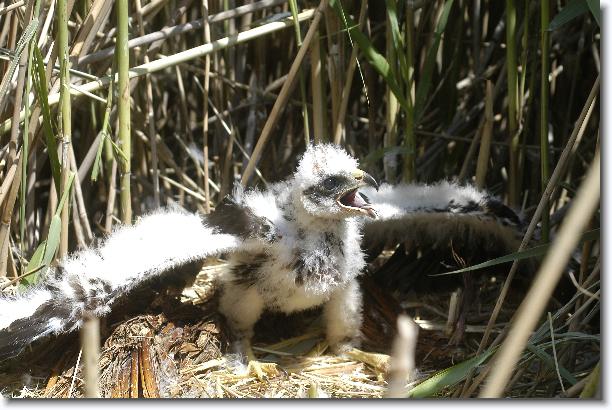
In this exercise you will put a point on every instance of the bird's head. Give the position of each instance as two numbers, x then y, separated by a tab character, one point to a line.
328	181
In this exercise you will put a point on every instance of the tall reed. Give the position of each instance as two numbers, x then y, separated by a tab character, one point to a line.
65	115
544	97
512	75
122	53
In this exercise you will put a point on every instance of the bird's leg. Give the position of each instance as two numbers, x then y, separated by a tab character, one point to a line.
342	316
343	319
261	370
242	307
379	361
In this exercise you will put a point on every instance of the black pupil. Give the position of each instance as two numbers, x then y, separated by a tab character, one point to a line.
330	183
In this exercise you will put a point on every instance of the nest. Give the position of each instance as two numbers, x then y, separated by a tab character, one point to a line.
165	343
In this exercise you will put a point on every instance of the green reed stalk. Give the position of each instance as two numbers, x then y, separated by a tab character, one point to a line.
410	136
123	83
513	183
298	39
544	97
66	117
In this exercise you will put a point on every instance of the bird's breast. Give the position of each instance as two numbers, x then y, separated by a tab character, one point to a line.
299	271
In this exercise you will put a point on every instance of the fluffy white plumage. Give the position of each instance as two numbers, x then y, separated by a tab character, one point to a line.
311	256
395	201
432	213
22	307
320	161
91	280
131	253
292	247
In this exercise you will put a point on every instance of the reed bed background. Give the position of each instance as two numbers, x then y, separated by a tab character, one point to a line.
109	110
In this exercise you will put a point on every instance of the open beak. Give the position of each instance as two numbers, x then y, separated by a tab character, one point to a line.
354	201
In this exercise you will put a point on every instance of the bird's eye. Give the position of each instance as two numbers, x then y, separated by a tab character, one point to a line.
330	183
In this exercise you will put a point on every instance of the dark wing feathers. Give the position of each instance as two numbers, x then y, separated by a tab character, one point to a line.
24	331
430	214
233	218
91	280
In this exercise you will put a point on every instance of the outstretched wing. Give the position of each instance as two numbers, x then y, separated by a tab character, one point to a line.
430	214
89	281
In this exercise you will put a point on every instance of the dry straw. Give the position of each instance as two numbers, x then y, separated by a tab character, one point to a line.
530	311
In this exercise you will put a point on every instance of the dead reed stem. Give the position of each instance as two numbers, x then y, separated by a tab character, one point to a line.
319	104
560	167
206	26
579	128
485	140
284	93
177	58
530	311
402	364
390	160
152	133
90	342
348	82
513	109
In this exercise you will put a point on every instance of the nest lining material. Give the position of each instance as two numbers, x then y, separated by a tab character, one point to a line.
182	355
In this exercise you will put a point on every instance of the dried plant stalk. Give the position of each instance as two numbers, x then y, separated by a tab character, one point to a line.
544	97
283	95
485	140
178	58
402	367
90	340
206	26
319	104
526	318
511	70
346	89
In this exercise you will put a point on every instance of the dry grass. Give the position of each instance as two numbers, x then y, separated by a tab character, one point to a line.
183	351
153	356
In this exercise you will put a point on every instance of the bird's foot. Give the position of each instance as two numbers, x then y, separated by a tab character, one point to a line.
380	362
262	370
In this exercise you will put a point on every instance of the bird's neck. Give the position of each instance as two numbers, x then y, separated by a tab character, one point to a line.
294	211
337	226
309	223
